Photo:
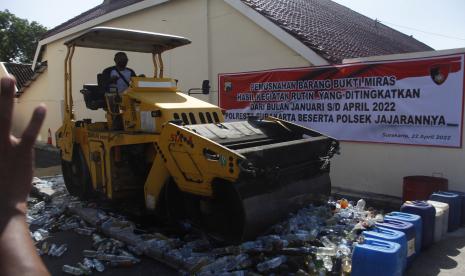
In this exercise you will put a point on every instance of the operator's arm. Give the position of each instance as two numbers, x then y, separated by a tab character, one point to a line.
18	255
133	73
106	77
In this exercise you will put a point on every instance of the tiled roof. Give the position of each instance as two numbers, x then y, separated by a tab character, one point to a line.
24	74
93	13
333	31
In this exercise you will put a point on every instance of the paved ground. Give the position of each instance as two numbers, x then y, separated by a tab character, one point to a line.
444	258
50	171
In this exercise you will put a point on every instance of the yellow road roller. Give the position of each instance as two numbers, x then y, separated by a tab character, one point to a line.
176	154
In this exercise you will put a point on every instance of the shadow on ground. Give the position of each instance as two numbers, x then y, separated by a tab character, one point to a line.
446	257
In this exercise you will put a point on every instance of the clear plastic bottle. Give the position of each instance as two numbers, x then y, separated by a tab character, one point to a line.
37	236
89	253
85	269
122	263
379	218
328	263
111	257
60	250
96	238
273	242
52	249
251	246
37	207
360	205
346	265
271	264
88	263
327	242
343	247
326	251
37	220
98	265
72	270
84	231
219	265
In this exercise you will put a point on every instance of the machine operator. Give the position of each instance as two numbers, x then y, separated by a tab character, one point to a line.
119	75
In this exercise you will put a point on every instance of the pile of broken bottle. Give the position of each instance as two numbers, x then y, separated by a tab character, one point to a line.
316	240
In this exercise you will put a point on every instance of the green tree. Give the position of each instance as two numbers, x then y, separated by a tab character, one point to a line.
18	38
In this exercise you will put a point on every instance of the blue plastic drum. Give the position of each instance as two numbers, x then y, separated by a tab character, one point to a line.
462	200
408	229
413	219
428	217
377	257
390	235
455	207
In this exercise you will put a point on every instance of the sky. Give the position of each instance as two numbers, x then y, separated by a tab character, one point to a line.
49	13
439	24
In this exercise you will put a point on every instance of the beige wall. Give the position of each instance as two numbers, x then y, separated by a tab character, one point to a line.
380	168
38	92
3	71
32	96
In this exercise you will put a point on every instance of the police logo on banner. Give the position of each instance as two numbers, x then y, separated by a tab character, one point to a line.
439	73
228	86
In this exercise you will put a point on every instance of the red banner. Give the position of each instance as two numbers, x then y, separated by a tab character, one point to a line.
415	101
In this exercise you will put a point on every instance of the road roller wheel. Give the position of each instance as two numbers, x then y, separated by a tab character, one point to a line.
76	175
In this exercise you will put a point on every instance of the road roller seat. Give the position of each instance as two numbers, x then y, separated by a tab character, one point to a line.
94	94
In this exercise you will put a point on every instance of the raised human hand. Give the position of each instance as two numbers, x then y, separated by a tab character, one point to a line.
16	155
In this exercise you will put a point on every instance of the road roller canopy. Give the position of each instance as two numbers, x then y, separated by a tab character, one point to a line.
127	40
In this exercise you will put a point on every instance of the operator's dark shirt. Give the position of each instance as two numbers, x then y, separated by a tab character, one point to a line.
120	84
